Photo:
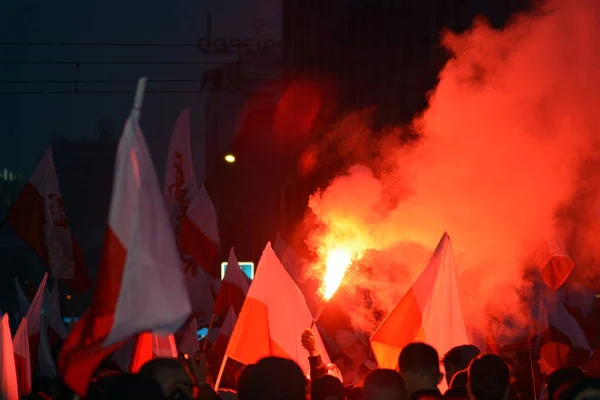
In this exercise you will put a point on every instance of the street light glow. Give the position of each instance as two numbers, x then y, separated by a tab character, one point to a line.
230	158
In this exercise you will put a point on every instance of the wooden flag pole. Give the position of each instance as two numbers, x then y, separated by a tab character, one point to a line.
220	375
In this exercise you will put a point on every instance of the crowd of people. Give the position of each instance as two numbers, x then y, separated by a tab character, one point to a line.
464	370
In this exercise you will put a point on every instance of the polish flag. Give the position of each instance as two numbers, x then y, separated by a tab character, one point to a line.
194	219
555	263
140	287
233	289
22	358
273	317
8	380
57	330
222	340
429	312
188	342
38	217
34	321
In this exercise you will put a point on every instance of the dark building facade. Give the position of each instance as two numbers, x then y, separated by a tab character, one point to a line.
380	54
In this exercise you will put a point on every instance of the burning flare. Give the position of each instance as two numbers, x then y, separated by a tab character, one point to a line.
338	261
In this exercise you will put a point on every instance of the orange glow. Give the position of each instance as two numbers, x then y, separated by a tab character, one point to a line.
68	297
501	163
338	261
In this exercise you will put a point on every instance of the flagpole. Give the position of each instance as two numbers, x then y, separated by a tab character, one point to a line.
319	312
533	383
220	375
139	94
212	319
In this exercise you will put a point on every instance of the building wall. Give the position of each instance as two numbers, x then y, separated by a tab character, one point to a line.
239	120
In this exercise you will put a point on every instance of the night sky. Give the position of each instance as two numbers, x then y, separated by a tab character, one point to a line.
28	120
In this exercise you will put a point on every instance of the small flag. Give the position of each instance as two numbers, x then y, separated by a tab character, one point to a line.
38	217
8	379
233	289
273	317
22	358
429	312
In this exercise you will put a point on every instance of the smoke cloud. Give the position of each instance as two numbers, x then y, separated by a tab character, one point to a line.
506	158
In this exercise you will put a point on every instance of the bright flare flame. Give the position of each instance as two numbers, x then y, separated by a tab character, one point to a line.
338	261
230	158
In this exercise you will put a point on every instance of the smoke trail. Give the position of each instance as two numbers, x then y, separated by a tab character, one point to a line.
505	148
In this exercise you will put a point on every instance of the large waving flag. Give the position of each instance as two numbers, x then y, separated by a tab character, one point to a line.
233	289
38	217
194	219
22	358
140	286
429	312
273	318
9	389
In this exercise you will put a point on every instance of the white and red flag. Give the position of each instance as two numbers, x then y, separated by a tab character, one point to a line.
22	358
194	220
9	389
222	340
39	218
234	288
429	312
273	317
140	286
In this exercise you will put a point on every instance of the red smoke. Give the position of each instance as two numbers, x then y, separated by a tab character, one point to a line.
504	144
